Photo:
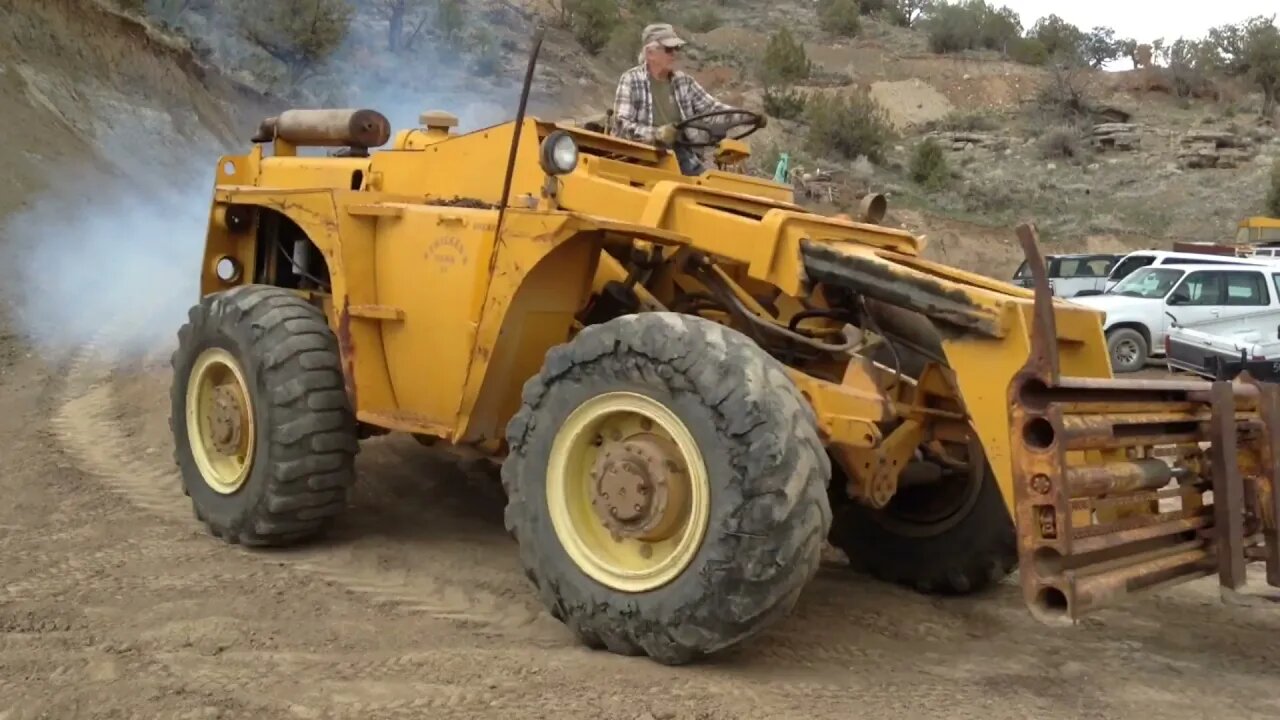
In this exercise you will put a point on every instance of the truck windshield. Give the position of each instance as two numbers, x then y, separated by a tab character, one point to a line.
1148	283
1129	264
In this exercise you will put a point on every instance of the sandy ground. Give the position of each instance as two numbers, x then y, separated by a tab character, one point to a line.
114	602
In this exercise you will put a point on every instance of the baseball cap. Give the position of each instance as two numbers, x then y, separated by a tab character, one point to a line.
663	34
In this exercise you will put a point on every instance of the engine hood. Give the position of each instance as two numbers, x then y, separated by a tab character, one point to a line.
1120	308
1113	303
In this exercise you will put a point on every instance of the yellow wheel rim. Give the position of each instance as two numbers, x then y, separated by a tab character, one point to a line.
628	492
220	426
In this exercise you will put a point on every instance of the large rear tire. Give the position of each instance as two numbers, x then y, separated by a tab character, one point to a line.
263	431
955	537
733	511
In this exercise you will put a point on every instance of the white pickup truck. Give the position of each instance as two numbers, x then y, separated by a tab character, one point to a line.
1141	308
1208	348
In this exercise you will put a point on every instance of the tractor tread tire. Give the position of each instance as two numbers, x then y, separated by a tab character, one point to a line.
766	465
968	557
304	460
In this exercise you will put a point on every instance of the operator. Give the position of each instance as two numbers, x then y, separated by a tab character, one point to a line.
654	96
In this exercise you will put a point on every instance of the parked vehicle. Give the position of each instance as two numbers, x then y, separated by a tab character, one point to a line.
1258	229
1145	258
1070	275
1225	346
1140	309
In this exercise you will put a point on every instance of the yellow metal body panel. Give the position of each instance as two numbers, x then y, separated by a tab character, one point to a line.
317	172
441	320
433	263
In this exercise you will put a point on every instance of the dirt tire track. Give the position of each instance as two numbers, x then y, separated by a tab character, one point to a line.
88	420
885	642
474	595
481	598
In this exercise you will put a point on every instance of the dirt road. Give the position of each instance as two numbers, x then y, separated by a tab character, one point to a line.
114	603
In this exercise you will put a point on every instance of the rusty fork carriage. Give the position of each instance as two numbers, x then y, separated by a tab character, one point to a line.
1130	485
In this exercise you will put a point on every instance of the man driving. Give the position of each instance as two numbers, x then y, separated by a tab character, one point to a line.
654	96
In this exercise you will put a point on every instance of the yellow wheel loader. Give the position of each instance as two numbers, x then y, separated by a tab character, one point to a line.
691	383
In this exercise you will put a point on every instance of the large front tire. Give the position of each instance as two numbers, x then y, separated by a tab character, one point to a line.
740	468
264	435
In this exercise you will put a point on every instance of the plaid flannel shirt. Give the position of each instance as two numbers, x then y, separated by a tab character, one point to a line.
633	103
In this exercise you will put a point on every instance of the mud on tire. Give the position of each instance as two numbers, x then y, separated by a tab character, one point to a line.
305	438
767	470
974	548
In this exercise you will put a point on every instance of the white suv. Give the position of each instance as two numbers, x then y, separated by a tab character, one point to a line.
1070	275
1140	308
1146	258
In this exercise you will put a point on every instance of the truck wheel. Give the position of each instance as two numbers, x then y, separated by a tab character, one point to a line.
263	432
1128	350
667	487
952	536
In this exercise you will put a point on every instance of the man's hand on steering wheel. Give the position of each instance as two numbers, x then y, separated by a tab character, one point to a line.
666	136
718	131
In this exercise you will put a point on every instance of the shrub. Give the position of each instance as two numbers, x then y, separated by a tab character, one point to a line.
1064	41
785	59
951	28
840	17
450	19
1100	46
848	125
704	19
1066	94
967	121
929	165
1062	143
624	43
970	26
593	22
298	33
785	104
1028	51
486	58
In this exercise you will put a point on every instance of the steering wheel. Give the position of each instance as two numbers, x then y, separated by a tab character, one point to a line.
719	131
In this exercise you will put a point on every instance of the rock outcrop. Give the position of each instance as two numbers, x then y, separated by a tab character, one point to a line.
1115	136
1203	149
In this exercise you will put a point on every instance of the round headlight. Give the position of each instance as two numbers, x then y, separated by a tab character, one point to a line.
559	153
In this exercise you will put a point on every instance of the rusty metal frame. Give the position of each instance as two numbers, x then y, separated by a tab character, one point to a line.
1093	496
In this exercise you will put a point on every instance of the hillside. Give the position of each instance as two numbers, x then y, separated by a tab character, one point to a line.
1022	141
189	83
1186	168
111	128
